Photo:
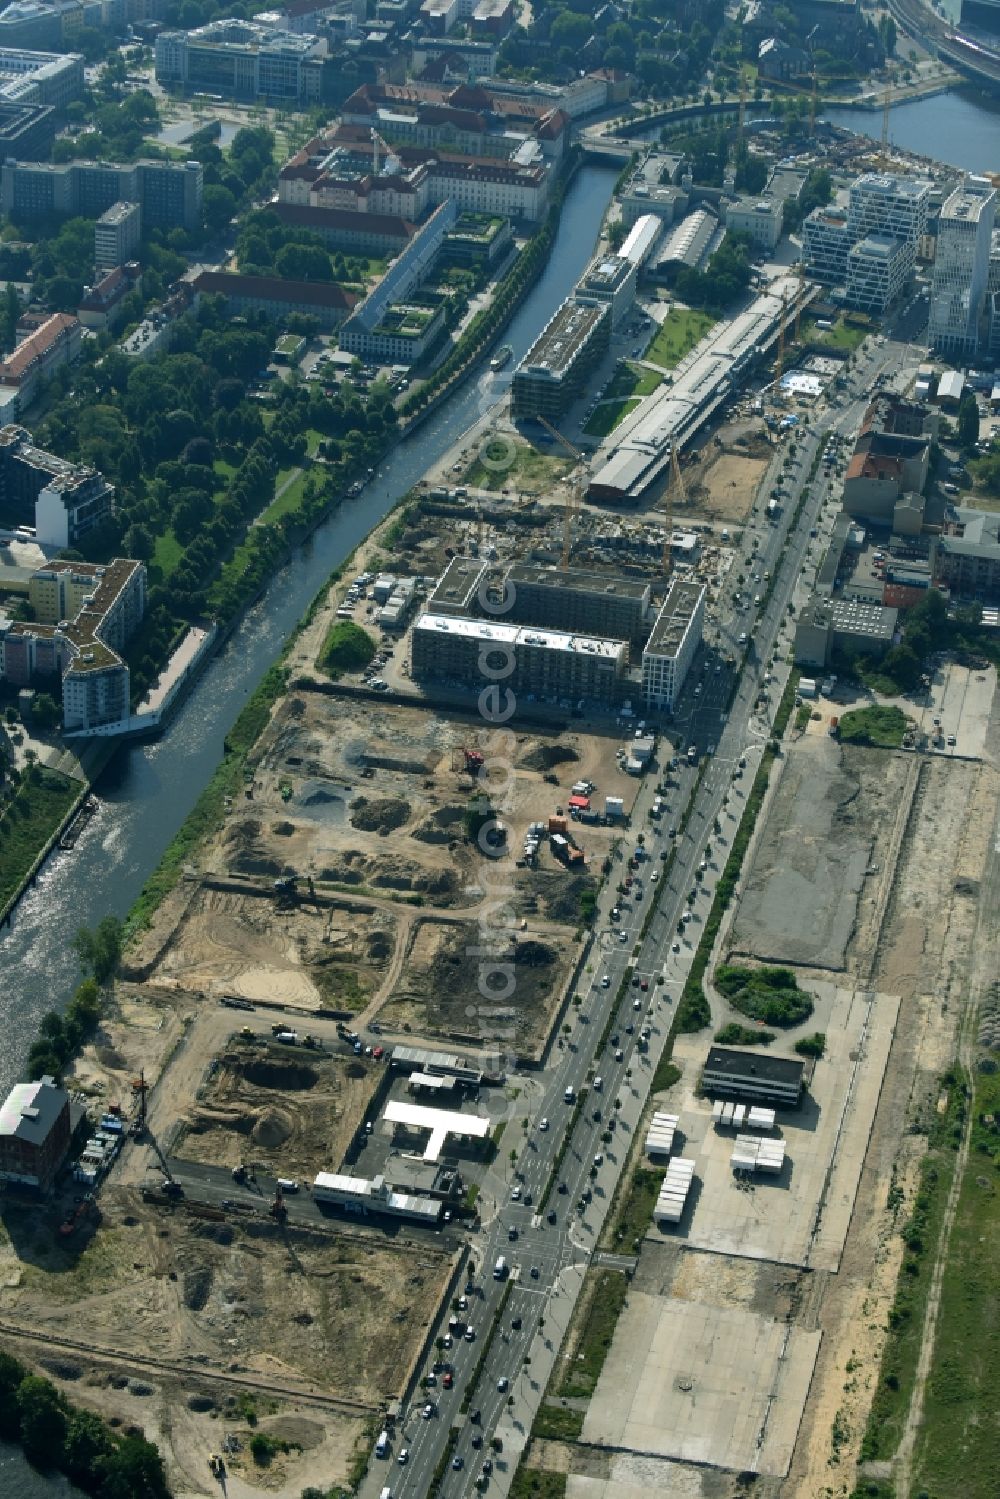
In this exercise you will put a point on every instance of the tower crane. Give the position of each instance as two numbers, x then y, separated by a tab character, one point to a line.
886	106
575	490
392	162
779	363
675	487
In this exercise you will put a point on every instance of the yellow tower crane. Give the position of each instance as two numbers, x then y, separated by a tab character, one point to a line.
779	363
676	489
886	106
574	493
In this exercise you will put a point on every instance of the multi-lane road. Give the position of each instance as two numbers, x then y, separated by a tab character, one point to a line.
548	1234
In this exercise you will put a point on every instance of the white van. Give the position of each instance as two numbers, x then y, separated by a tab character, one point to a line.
287	1185
598	1083
382	1445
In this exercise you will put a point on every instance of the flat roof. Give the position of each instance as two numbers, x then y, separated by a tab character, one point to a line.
440	1122
519	635
768	1068
30	1110
562	338
577	580
674	618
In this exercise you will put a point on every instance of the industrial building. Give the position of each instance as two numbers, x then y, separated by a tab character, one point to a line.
61	500
614	608
34	1133
641	240
639	450
672	646
548	664
687	246
551	376
609	281
961	269
753	1075
437	1124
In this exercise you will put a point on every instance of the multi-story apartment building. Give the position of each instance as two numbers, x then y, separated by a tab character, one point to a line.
116	235
85	614
967	554
550	664
168	192
672	645
613	608
961	268
878	270
276	298
55	342
826	244
243	60
552	373
63	501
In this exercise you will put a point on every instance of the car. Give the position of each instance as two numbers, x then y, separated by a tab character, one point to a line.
952	740
404	1457
635	981
469	1334
675	947
511	1232
599	1159
527	1199
606	981
644	986
614	1039
458	1462
477	1440
637	1003
463	1303
427	1411
534	1272
448	1380
515	1324
446	1340
515	1193
550	1216
543	1124
431	1378
619	1055
596	1116
623	936
630	1029
503	1383
672	833
488	1465
654	875
563	1189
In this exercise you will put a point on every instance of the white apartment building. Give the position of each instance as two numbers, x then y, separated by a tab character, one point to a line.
826	244
885	204
961	268
878	268
672	645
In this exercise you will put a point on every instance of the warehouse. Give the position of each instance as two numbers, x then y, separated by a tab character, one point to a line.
641	240
672	646
553	371
753	1076
549	665
687	246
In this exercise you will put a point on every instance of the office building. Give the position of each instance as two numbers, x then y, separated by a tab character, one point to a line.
672	645
26	129
168	192
614	608
856	627
276	298
879	268
961	268
654	188
34	1134
390	325
826	244
85	614
342	229
551	376
470	120
609	281
549	665
40	77
62	501
243	60
116	235
755	1076
759	218
887	204
458	588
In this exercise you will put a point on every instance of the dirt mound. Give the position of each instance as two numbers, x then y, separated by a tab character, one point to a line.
440	826
379	946
197	1287
533	954
61	1369
282	829
110	1058
200	1403
295	1430
547	756
271	1130
284	1075
381	815
241	836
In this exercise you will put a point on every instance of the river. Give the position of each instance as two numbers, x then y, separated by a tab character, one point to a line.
148	790
19	1480
961	128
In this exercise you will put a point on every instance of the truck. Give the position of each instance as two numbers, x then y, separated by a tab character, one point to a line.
500	1268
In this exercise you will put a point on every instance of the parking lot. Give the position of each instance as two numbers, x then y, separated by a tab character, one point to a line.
801	1215
963	700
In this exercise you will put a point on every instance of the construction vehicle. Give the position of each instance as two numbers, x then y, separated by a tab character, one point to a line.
286	884
216	1466
277	1209
474	761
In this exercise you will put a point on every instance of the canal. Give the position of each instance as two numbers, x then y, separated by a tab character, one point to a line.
19	1480
149	789
961	128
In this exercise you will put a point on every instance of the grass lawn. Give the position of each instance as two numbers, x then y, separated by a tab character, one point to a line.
532	1483
607	417
290	500
958	1448
594	1338
882	727
840	336
168	552
677	335
633	380
631	1216
28	821
557	1423
509	463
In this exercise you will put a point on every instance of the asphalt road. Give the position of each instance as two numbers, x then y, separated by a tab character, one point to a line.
543	1251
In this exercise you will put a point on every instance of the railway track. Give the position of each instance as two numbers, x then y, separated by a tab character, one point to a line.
187	1370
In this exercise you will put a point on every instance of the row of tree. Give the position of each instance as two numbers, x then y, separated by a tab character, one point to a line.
57	1436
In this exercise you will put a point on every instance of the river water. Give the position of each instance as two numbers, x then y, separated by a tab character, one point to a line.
149	789
961	128
19	1480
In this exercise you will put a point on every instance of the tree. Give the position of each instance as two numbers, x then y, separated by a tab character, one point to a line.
45	711
968	421
135	1467
218	206
43	1422
139	543
100	950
